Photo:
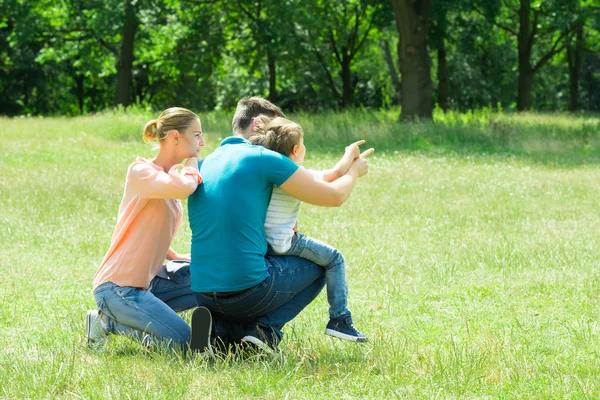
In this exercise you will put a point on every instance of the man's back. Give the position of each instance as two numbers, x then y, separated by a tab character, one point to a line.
227	215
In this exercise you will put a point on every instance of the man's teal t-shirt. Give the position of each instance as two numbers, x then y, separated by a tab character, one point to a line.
227	215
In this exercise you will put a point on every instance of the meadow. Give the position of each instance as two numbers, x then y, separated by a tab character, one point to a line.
472	247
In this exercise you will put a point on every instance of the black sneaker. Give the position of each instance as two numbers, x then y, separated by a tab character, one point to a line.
263	338
343	328
201	330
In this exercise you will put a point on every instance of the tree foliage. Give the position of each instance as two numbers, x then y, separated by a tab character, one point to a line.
79	56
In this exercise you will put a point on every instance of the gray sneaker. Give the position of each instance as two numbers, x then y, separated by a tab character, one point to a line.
93	327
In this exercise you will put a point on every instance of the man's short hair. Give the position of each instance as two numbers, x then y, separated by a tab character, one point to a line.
249	108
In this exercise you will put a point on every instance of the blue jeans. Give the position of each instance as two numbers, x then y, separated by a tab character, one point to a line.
292	284
149	315
335	269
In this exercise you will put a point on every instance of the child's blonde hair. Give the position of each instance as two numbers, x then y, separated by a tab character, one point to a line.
277	134
174	118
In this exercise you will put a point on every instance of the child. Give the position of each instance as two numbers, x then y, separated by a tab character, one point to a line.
287	138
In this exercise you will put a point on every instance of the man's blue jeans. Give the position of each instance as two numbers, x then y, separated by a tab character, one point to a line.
292	284
149	315
335	269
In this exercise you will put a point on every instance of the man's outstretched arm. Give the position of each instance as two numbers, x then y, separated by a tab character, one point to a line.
313	190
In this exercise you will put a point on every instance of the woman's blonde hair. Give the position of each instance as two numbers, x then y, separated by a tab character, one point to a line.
174	118
277	134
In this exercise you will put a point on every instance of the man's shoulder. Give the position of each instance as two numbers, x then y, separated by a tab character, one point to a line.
237	150
264	156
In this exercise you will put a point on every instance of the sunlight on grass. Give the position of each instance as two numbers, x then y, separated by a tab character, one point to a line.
473	263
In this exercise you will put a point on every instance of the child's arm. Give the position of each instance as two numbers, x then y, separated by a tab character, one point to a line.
352	152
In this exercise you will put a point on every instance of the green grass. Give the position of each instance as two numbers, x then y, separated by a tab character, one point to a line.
473	250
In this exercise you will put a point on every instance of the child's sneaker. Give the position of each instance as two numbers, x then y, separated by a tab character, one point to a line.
201	331
263	338
343	328
93	327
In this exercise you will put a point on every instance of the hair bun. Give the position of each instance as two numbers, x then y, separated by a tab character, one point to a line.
149	133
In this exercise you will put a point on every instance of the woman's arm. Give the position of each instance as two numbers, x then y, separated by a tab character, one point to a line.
162	185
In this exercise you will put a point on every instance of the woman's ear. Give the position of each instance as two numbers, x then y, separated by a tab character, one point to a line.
295	149
175	134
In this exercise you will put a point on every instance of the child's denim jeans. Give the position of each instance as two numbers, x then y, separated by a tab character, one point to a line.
335	269
150	315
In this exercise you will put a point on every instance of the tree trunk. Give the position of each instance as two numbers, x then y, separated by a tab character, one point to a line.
412	22
574	59
525	70
79	89
347	84
591	83
525	85
389	61
140	84
272	76
125	64
442	75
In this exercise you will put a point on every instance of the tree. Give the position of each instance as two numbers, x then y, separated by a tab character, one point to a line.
125	63
412	22
337	31
574	61
590	85
89	34
389	62
439	36
179	47
262	20
112	24
576	47
542	29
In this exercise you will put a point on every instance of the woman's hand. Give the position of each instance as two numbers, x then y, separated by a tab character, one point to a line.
172	255
192	162
183	257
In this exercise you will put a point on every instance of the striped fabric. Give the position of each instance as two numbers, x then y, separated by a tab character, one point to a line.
282	215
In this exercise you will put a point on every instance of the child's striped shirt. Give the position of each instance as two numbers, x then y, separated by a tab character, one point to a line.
282	215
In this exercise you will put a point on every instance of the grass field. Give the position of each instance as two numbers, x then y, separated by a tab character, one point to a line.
473	250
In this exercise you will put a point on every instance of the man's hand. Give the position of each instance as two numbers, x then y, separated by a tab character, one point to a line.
321	192
360	166
295	228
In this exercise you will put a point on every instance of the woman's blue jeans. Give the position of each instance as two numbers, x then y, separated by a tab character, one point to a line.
149	315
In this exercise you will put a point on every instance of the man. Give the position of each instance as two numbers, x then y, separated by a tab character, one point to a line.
249	296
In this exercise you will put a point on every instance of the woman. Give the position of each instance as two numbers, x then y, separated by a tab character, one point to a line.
131	298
